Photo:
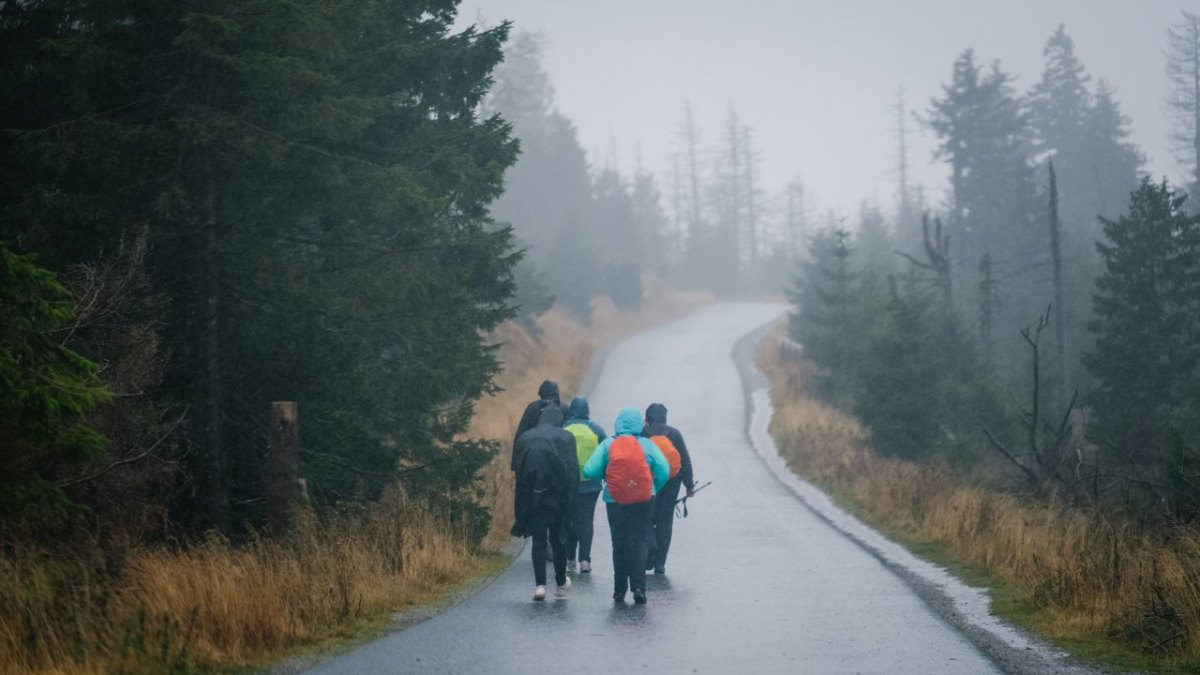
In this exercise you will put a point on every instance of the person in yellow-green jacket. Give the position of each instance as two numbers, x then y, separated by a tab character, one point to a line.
633	469
587	435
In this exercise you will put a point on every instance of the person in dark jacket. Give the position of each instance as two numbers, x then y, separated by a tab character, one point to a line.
659	540
547	395
547	480
587	435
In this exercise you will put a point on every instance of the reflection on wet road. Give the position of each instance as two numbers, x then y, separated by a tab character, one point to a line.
756	583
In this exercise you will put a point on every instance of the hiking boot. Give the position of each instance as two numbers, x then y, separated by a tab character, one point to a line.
585	567
539	593
561	591
639	596
572	566
619	596
659	569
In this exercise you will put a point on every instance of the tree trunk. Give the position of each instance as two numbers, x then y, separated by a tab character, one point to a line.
217	498
751	216
986	290
281	490
1062	386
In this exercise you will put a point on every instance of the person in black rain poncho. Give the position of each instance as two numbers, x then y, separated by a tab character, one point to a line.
547	473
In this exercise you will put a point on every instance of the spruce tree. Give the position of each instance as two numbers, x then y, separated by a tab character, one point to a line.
875	246
983	134
46	389
314	180
828	320
1059	101
1146	358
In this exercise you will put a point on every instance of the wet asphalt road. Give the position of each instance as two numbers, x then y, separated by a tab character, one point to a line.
755	583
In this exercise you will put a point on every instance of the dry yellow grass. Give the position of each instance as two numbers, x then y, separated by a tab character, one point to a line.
163	609
216	604
1090	575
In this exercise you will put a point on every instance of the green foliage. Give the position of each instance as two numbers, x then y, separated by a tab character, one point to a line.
1146	360
45	392
827	321
901	361
925	390
875	247
314	181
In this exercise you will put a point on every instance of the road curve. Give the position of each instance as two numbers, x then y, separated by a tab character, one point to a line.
756	582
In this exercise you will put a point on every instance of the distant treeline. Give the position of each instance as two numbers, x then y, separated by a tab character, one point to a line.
1043	327
709	223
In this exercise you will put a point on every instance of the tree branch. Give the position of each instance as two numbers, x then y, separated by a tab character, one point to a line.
122	462
1004	451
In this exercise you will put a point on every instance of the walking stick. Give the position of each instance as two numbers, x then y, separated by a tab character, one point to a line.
682	501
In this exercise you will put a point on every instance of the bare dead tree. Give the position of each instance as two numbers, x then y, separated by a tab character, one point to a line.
1183	100
1060	332
751	159
1047	454
987	295
937	252
797	217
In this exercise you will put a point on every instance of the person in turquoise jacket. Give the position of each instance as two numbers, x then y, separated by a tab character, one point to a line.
629	522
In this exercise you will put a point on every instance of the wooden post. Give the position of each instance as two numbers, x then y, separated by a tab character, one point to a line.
281	468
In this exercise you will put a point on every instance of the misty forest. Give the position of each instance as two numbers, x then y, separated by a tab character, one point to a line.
379	212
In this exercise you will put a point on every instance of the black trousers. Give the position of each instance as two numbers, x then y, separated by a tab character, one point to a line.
629	523
545	525
579	535
658	538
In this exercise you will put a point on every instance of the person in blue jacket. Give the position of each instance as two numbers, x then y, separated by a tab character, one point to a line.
628	522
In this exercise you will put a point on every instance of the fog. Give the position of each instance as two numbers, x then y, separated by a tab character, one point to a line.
817	82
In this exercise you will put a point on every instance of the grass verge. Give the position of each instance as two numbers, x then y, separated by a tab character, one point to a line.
211	606
1091	581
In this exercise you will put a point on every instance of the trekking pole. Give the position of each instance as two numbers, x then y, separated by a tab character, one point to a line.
682	501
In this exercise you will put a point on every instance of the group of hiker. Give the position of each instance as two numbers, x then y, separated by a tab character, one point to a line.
564	462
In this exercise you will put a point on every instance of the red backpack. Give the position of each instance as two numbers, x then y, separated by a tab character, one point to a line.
670	452
628	474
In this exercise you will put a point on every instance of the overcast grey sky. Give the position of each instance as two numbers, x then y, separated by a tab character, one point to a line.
816	81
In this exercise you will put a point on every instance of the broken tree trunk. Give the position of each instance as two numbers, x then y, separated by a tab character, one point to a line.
281	489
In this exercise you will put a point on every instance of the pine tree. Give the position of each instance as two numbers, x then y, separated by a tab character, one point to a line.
1059	101
613	218
46	390
826	320
1115	162
658	245
874	249
982	132
1146	359
320	236
924	390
